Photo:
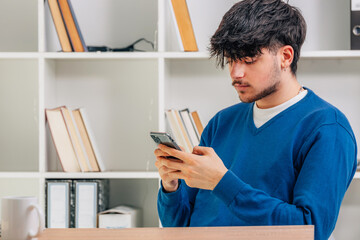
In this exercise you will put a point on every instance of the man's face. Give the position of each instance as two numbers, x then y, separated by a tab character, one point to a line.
256	78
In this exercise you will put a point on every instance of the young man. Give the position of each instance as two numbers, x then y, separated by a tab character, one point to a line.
283	156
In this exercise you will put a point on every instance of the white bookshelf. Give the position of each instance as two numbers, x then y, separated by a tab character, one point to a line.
104	175
126	93
18	175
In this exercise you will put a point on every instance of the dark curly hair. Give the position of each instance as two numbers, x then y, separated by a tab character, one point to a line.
251	25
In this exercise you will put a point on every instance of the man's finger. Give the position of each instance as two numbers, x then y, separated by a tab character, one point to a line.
184	156
165	170
198	150
172	164
159	153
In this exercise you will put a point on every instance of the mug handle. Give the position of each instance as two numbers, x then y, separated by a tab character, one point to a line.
41	221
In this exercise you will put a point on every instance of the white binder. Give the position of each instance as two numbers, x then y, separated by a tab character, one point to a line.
58	204
86	202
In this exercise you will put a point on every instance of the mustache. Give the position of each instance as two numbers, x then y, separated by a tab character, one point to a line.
239	82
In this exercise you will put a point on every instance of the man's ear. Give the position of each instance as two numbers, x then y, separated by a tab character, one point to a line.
287	55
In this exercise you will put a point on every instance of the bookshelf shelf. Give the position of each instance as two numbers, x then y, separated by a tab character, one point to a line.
19	55
20	175
335	54
185	55
102	55
107	175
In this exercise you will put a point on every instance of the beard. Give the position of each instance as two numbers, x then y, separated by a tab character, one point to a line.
264	93
274	80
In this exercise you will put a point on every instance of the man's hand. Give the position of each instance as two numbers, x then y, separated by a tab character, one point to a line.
170	184
201	169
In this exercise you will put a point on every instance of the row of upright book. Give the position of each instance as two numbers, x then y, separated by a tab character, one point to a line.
185	126
72	40
74	140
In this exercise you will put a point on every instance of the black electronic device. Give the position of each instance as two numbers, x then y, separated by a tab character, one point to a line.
355	25
164	138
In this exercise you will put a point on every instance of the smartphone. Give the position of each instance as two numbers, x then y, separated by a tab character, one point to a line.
164	138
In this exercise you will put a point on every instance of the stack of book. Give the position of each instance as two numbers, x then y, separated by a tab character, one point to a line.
185	127
75	203
67	27
73	139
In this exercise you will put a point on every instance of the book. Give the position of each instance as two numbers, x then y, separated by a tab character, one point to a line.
189	126
91	135
59	26
57	203
76	140
198	123
175	128
181	16
86	140
82	121
188	147
194	126
61	140
72	26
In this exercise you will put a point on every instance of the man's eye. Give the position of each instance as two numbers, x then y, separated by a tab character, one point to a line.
250	62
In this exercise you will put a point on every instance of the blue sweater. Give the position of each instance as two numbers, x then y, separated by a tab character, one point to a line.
293	170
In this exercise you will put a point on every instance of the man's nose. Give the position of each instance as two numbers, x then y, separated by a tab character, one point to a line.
237	71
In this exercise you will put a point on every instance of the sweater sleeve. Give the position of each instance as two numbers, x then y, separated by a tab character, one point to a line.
175	208
328	166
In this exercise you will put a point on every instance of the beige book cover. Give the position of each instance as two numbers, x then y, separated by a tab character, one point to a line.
87	136
76	140
62	141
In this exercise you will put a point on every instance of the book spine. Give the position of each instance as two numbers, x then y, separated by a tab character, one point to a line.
82	149
94	146
61	140
188	147
198	123
175	127
77	27
184	25
70	25
59	26
185	117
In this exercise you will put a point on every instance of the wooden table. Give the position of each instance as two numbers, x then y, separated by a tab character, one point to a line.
198	233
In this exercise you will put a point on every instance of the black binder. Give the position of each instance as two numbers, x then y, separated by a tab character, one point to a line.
355	25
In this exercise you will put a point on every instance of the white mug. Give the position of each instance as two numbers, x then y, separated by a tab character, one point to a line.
21	218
